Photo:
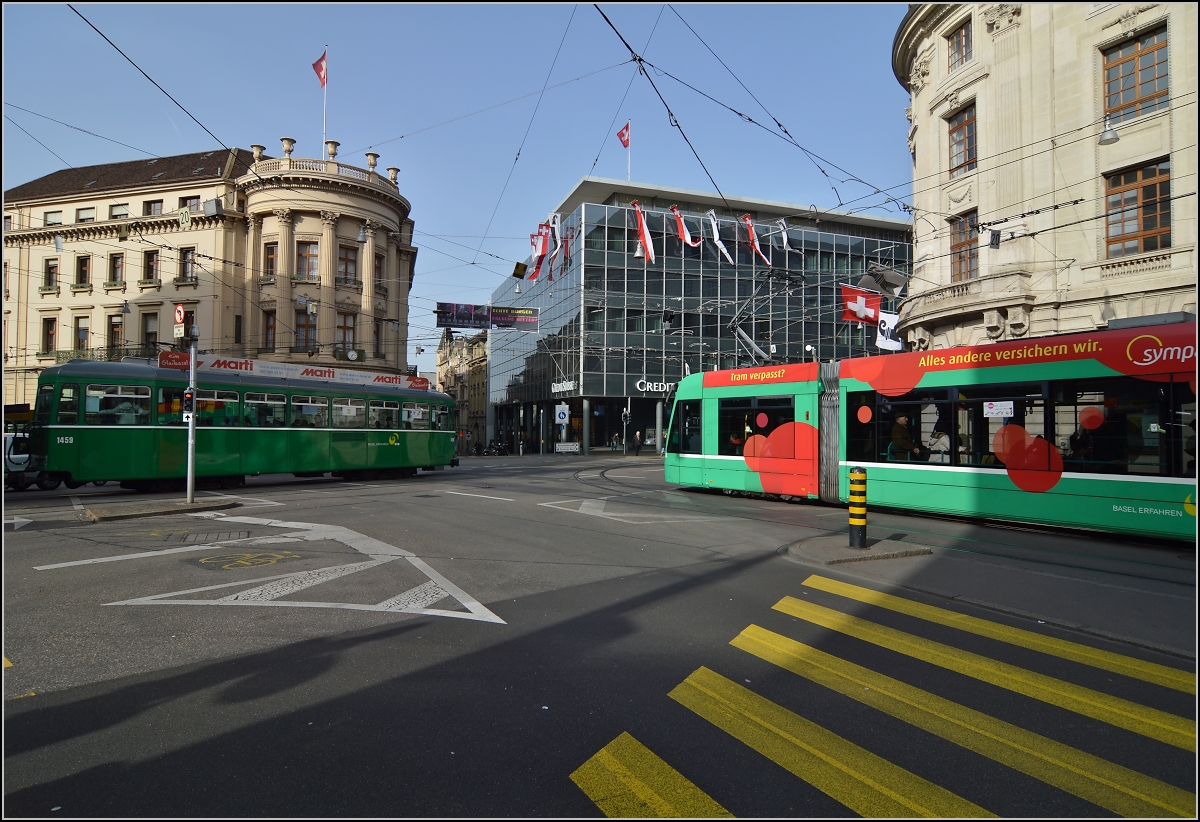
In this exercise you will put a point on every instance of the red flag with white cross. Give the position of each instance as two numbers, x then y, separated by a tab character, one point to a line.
859	306
320	67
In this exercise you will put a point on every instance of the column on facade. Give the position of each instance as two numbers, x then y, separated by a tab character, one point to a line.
252	325
396	340
285	315
327	259
366	317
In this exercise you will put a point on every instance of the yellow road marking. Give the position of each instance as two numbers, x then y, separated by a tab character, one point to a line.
1174	730
865	783
1103	783
627	779
7	664
1083	654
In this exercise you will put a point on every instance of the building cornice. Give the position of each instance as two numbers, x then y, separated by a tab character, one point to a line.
921	20
110	229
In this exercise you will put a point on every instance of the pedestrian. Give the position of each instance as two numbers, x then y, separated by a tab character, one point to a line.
637	443
615	440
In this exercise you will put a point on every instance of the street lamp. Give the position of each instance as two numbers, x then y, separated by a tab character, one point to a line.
808	349
1109	136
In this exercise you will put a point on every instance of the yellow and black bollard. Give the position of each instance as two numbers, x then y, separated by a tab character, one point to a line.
858	508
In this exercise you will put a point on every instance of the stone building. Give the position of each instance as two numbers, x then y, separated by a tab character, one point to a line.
1044	141
462	373
282	259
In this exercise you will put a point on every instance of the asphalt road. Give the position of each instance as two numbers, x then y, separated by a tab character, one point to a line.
569	636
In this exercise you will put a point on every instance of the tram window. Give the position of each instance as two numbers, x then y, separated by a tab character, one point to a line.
68	404
349	412
170	406
1114	425
416	416
41	407
309	412
264	410
979	421
861	425
117	405
740	419
441	418
686	436
1182	429
216	408
385	414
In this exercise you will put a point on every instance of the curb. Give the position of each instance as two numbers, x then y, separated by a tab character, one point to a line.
832	550
159	509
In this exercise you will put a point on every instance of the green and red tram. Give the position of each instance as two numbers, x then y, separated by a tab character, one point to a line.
1092	430
95	421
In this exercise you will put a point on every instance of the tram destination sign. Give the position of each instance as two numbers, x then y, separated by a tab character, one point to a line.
288	371
468	315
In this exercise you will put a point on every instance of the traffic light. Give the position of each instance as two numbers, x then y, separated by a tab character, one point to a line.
625	417
189	401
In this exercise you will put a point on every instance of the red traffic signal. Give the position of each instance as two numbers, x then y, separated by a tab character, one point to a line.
189	401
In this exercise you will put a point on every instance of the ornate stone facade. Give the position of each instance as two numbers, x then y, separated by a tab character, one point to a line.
1035	80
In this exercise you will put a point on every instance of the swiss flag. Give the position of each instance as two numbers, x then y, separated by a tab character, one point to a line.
623	136
859	306
319	67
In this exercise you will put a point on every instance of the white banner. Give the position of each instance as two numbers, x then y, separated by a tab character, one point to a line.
887	338
716	229
289	371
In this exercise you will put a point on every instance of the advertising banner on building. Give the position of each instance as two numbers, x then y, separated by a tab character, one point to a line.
463	315
288	371
520	319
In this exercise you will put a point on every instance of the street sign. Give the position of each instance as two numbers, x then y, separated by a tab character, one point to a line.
185	218
561	414
179	331
179	313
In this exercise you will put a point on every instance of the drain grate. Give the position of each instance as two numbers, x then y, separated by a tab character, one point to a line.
197	539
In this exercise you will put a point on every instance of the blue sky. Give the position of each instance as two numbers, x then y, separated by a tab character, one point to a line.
245	72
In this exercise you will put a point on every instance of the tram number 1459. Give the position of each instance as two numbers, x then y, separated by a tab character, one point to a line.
66	440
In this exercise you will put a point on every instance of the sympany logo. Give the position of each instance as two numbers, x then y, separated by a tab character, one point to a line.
1147	349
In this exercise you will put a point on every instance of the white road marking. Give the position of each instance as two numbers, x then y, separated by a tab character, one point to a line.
17	523
596	508
623	476
260	502
378	552
481	496
422	596
143	554
77	504
298	582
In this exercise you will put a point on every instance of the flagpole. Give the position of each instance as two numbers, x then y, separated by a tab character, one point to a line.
324	95
628	149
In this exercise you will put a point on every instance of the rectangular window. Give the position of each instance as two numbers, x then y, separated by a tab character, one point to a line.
68	404
82	332
377	333
415	416
117	405
1182	427
149	329
217	408
52	218
187	264
960	45
264	411
237	329
116	331
150	265
685	433
347	267
1135	77
270	261
380	262
170	406
385	414
85	215
306	329
740	419
190	203
41	405
49	334
1115	425
50	277
152	208
1139	210
83	270
962	142
346	336
269	330
306	262
7	223
349	412
116	268
119	211
310	412
964	247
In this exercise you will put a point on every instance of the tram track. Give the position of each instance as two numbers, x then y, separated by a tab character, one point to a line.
981	546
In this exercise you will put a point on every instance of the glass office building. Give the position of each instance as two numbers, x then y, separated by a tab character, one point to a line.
617	331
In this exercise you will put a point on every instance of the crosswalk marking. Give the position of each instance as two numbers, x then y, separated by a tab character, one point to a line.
1165	727
1110	786
627	779
1083	654
867	784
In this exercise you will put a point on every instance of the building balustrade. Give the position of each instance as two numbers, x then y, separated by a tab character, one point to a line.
113	354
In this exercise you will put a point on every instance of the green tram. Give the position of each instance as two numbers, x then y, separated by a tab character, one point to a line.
97	421
1092	430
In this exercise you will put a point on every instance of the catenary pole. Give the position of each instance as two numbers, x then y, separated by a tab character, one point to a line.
191	442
